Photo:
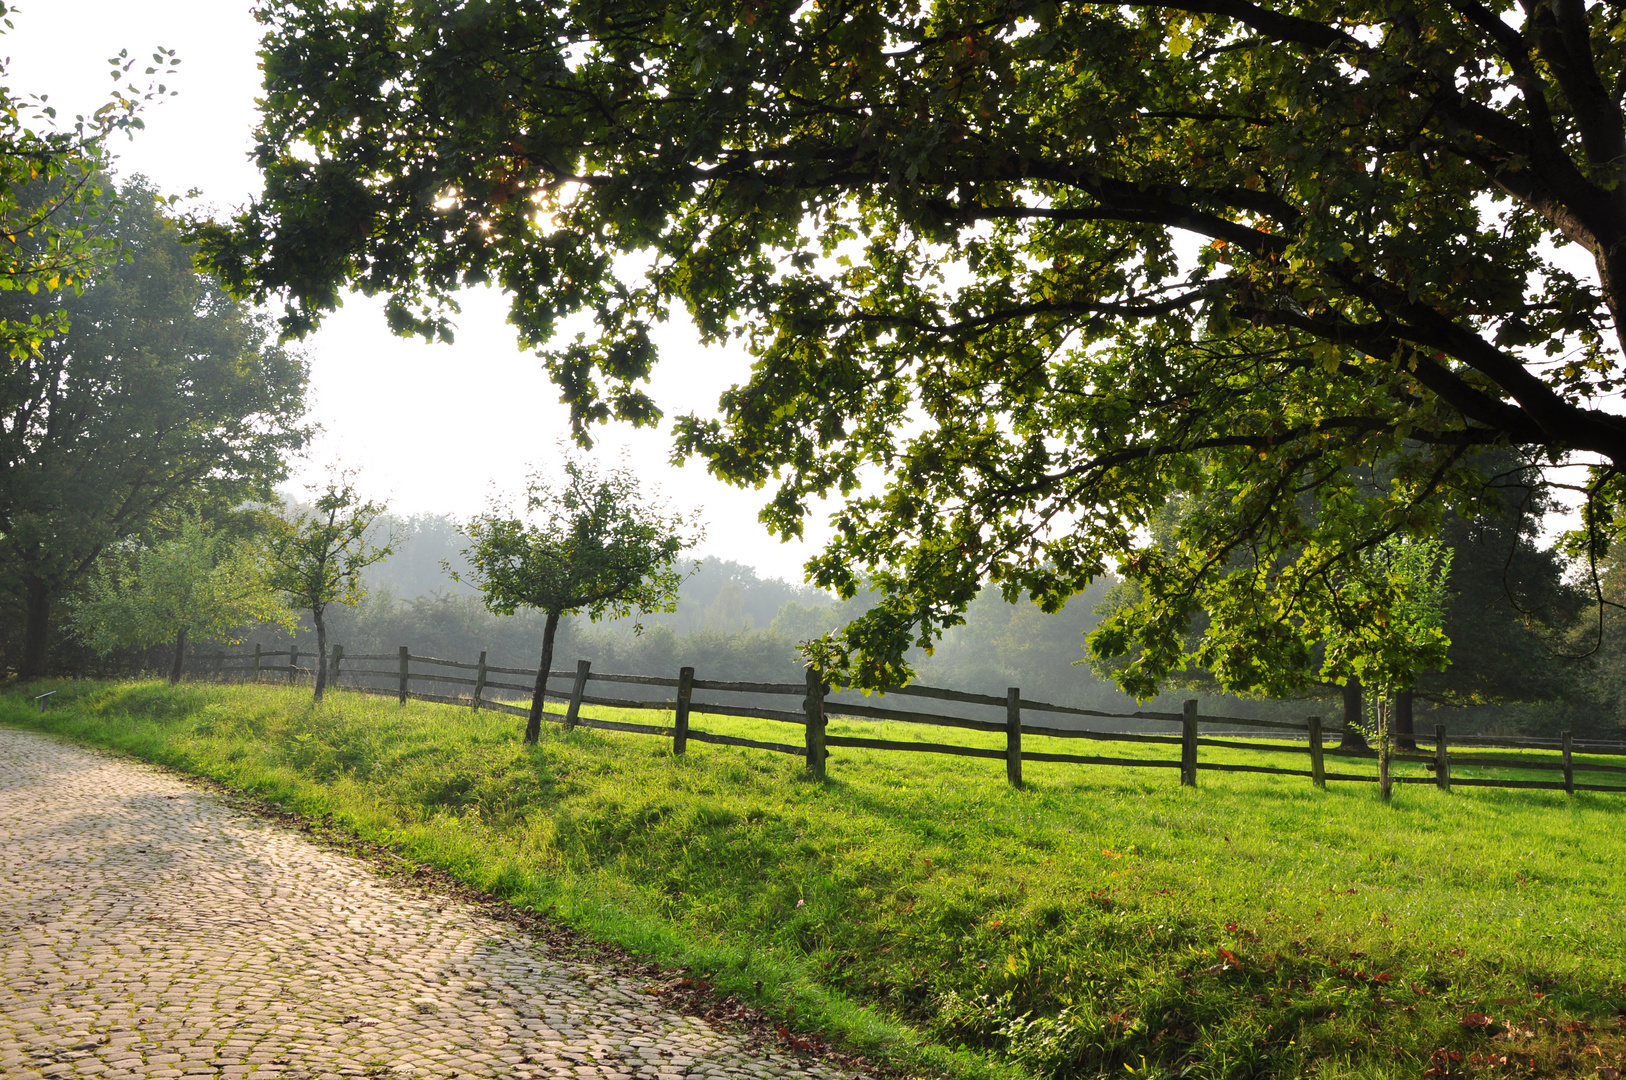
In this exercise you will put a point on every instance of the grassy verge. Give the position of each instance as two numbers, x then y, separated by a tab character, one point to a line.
1103	920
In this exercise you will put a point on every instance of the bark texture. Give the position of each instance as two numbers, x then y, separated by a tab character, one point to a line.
533	725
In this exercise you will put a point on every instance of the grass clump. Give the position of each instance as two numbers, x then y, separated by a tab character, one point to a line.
1104	921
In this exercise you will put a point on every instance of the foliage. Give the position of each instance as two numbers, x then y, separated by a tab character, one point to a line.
1407	581
1014	274
587	545
164	394
1509	608
935	918
195	584
317	557
55	208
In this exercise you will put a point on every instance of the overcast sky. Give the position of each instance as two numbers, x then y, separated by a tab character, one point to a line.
431	427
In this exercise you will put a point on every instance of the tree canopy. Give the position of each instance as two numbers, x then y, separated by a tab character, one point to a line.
1015	273
162	393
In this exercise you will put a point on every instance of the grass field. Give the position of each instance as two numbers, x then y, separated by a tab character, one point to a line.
1104	921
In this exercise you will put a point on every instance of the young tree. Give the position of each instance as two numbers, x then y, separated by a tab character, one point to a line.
194	585
1406	581
316	557
589	545
163	393
950	235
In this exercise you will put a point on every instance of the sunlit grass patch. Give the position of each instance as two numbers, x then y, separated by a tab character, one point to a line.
1102	919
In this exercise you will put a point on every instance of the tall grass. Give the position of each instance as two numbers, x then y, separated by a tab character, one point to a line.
1103	921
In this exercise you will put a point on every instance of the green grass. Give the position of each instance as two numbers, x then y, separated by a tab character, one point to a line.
1104	921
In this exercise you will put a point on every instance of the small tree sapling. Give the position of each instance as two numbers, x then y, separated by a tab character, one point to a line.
317	557
589	544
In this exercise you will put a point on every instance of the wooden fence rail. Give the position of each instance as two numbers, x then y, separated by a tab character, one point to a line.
816	707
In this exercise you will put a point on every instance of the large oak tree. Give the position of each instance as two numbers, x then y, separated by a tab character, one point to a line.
162	393
1014	273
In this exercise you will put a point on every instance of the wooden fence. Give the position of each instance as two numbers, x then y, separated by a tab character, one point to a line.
815	706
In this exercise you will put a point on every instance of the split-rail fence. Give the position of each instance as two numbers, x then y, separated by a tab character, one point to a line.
815	706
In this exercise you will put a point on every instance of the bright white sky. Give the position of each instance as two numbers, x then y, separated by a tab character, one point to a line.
430	427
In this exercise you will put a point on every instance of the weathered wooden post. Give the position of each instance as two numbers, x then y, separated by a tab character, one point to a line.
813	711
1442	760
680	719
1013	736
1569	766
576	692
1318	761
293	663
479	680
1188	745
406	671
256	661
338	658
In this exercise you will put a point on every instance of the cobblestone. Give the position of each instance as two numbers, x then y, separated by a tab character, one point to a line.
152	931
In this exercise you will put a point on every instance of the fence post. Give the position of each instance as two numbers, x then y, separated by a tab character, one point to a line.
479	680
1188	744
680	721
1442	761
293	664
220	666
406	670
256	661
813	709
1569	767
1318	762
338	658
576	692
1013	736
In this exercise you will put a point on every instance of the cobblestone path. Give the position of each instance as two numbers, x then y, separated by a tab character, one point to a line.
152	931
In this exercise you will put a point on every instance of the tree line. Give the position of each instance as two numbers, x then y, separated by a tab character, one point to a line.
1511	615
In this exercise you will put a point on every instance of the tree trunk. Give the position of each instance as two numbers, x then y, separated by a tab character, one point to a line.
1354	738
1404	728
533	725
36	630
1385	727
180	656
318	617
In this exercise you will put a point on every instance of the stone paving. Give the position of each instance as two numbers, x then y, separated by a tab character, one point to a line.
150	930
